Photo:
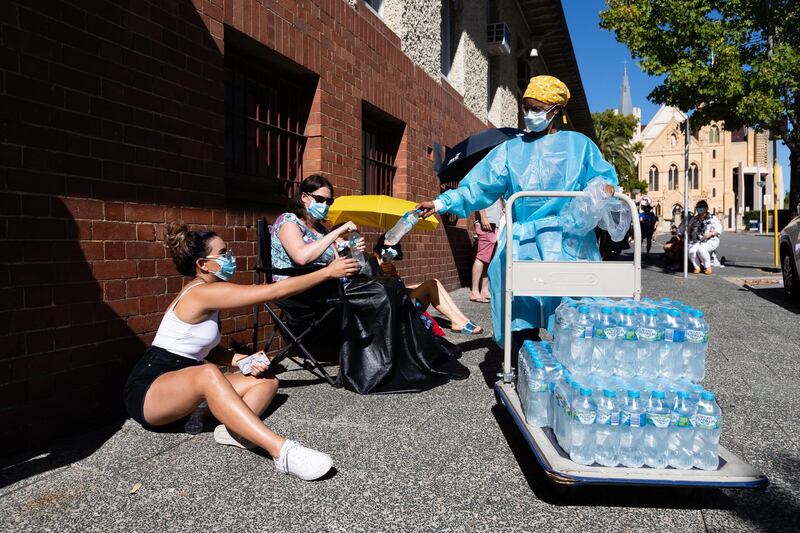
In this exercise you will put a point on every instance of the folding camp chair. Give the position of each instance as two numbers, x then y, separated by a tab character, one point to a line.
293	340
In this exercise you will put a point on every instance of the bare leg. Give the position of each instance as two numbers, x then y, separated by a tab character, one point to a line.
176	394
433	292
485	284
477	272
257	393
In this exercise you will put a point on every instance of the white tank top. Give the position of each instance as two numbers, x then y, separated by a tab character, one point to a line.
188	340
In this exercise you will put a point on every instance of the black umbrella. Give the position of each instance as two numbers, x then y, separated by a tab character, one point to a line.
460	159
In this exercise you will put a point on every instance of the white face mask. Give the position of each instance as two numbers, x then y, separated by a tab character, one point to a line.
537	121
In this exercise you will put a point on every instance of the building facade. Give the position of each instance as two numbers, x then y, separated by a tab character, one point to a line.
725	168
119	117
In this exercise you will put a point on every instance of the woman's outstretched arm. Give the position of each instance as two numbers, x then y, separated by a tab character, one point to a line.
232	295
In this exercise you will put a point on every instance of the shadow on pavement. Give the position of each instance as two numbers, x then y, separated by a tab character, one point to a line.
603	496
777	296
55	454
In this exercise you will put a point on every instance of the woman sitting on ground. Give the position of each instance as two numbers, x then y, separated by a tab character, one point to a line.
171	381
384	346
430	292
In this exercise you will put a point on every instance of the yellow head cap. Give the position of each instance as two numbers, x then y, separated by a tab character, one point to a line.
547	89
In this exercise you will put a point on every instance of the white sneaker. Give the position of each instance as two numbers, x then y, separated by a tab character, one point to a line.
222	436
305	463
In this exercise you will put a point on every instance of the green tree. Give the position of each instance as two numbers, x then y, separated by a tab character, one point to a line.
614	132
731	60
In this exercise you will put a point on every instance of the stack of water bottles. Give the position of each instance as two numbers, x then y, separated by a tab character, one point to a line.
619	385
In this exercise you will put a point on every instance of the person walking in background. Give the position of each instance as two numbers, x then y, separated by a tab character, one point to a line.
486	224
704	232
647	221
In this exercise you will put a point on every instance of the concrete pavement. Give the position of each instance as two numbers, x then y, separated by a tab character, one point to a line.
445	460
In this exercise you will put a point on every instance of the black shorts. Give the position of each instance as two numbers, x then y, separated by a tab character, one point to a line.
156	361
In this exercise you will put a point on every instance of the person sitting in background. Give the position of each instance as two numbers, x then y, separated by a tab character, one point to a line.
382	345
704	232
430	292
171	381
673	248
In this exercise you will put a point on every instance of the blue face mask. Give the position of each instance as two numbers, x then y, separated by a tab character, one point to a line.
536	121
701	210
388	254
318	210
227	266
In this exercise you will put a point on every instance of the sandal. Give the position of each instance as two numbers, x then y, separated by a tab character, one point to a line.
480	300
470	328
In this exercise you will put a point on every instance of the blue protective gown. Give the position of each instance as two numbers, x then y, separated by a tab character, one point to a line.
562	161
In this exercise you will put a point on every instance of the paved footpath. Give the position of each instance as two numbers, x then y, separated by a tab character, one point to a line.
444	460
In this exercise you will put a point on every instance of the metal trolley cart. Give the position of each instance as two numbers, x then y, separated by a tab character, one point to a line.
600	279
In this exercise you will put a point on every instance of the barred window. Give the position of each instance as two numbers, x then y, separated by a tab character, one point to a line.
266	109
380	139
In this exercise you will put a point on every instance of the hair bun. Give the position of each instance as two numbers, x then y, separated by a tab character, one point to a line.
175	237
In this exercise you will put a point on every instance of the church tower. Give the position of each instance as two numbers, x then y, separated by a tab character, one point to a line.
626	104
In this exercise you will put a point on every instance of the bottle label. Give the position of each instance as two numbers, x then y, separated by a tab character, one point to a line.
659	420
560	401
680	421
609	333
582	332
648	334
697	336
607	417
674	335
634	421
537	386
630	334
584	417
703	421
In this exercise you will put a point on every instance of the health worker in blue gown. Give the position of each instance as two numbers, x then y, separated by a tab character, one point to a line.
545	159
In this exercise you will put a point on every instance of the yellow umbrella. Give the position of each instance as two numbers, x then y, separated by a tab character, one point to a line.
377	211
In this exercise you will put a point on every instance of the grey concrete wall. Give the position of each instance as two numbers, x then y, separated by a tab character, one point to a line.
504	109
417	23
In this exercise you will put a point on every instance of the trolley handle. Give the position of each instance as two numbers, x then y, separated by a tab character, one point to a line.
509	274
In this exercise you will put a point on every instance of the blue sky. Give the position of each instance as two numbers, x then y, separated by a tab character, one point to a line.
601	59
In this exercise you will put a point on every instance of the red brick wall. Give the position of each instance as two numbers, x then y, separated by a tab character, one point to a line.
112	124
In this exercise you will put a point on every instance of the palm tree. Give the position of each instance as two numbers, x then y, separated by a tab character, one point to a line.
620	152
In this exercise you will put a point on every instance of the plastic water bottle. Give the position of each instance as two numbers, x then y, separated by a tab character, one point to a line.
401	227
355	254
707	424
523	369
632	423
670	389
649	335
656	431
606	450
625	348
537	413
565	318
584	414
694	350
582	343
695	391
195	422
681	433
569	421
605	337
561	407
553	379
670	353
